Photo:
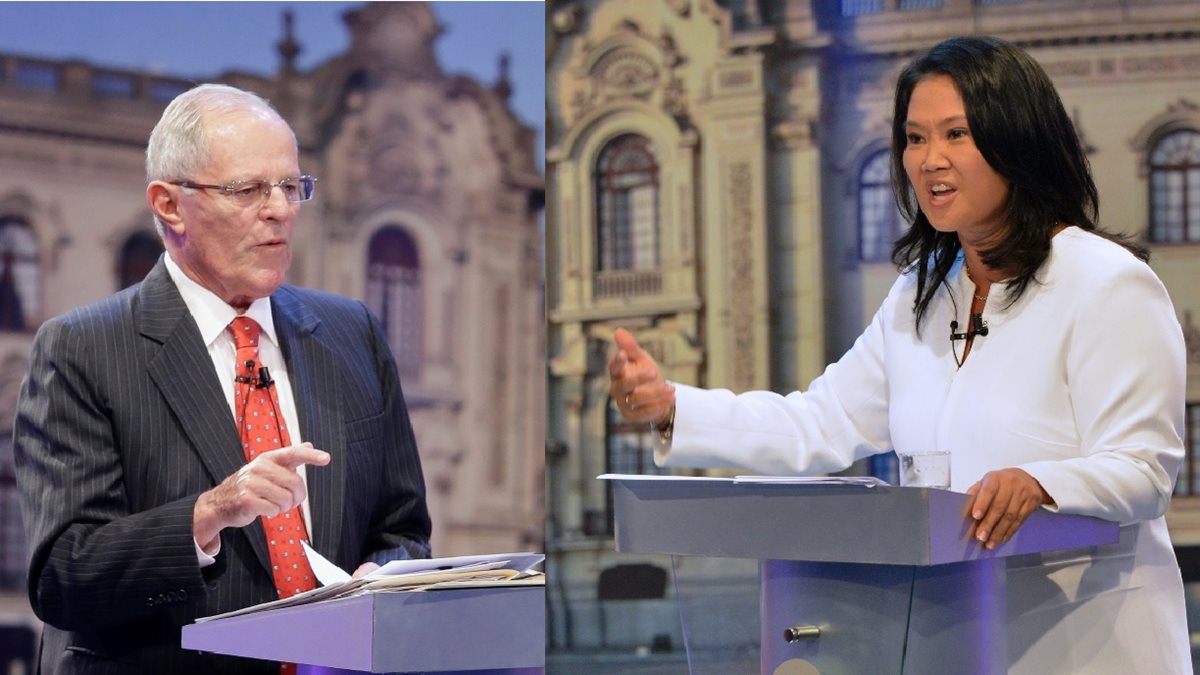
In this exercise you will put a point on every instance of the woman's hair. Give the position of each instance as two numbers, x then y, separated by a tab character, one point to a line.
1023	132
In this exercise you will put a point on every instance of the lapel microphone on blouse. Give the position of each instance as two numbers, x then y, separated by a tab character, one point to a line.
978	327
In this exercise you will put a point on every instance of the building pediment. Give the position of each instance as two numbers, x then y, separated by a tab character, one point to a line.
394	40
629	65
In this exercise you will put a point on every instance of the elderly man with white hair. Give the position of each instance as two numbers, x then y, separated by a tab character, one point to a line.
176	442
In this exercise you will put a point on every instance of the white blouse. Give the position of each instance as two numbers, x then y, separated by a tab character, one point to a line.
1080	383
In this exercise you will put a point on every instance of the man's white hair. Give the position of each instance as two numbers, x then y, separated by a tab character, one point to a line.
178	147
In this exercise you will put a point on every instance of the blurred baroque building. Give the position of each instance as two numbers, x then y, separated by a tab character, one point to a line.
718	174
427	209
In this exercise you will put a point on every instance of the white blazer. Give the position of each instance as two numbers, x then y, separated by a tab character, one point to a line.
1080	383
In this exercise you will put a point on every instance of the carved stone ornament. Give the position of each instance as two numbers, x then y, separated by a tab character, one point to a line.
741	274
1182	106
670	51
625	73
393	170
680	7
675	97
566	20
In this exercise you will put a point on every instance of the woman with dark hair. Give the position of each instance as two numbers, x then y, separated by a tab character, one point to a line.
1043	354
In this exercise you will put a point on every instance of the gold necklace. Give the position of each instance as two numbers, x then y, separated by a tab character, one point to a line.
972	280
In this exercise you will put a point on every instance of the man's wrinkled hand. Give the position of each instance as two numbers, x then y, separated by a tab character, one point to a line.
267	486
364	569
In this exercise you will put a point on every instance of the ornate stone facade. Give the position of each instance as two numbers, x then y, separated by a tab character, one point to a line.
764	115
396	143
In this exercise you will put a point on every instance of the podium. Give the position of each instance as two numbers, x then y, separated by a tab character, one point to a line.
477	630
852	579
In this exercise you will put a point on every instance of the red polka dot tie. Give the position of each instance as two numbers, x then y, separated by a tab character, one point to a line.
260	421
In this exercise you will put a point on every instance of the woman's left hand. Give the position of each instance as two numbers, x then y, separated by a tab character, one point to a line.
1003	500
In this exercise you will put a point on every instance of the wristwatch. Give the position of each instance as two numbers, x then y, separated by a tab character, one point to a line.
665	429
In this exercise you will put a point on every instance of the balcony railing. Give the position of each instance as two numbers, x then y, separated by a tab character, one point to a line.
55	77
623	283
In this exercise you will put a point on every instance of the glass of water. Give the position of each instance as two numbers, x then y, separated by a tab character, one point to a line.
925	469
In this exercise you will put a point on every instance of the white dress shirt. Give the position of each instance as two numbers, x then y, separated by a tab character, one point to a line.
213	316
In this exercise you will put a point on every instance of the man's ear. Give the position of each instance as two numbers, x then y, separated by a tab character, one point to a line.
163	201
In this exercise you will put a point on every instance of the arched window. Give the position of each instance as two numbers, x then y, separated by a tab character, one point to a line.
1175	188
627	202
20	275
139	254
394	293
879	221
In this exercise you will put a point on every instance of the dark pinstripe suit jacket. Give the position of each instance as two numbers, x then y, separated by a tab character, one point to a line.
121	424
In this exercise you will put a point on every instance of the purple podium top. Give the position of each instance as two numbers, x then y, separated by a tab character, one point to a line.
423	631
825	523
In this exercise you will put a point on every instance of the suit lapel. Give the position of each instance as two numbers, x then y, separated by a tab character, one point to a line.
315	378
183	371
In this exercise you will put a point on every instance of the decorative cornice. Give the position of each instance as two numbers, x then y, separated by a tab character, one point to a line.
908	49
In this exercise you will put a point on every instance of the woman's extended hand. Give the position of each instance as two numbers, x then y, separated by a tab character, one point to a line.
636	383
1003	500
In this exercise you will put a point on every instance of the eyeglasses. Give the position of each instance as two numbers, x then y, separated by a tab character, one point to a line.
256	192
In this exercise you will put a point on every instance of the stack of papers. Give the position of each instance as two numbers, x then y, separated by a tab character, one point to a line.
470	571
